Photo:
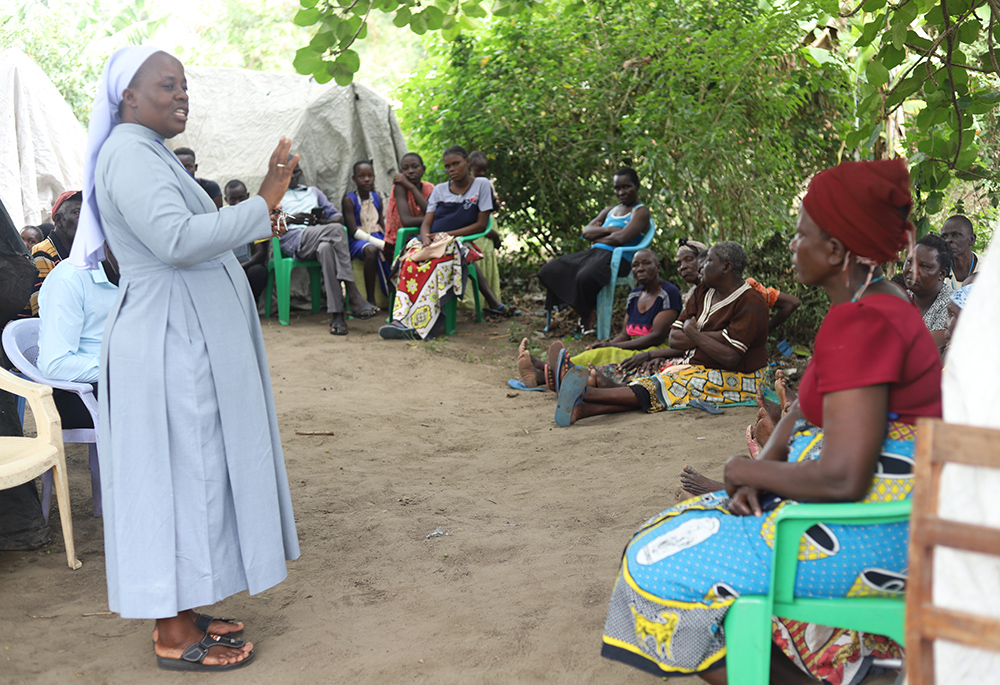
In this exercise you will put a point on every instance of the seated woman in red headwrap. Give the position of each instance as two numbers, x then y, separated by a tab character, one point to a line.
848	438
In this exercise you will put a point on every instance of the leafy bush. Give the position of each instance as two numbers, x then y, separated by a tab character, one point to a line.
707	100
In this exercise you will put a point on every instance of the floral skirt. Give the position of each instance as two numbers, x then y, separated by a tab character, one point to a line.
424	287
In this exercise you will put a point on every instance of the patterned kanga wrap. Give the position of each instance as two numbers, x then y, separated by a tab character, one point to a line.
424	287
685	567
675	386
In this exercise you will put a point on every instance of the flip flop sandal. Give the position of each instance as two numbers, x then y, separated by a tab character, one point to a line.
203	621
752	442
194	655
518	384
338	328
707	407
367	313
394	331
556	365
571	393
502	310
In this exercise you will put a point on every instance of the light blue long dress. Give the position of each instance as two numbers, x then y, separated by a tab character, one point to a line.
196	499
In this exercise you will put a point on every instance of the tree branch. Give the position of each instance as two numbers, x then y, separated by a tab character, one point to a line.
934	46
737	85
951	81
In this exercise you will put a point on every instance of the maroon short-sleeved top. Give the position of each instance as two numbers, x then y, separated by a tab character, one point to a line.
878	340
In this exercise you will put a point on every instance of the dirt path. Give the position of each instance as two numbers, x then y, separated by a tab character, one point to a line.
536	518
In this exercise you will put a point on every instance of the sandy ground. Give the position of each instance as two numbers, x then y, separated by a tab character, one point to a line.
537	517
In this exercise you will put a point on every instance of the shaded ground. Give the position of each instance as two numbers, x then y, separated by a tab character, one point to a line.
427	435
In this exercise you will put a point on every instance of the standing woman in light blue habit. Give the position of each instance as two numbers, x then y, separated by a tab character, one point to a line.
196	499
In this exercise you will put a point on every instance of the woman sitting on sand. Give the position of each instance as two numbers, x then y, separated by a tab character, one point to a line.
848	438
650	311
576	279
724	326
686	259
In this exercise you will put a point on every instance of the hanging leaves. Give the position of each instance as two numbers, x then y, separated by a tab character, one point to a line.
931	78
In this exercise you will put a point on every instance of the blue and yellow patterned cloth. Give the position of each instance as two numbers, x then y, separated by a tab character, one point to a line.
685	567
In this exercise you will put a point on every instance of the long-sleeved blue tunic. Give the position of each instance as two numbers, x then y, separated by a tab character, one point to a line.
196	499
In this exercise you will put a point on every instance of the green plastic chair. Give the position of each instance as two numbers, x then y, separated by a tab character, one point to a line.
748	622
451	308
279	276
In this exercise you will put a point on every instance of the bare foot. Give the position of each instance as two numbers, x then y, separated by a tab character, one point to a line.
785	396
550	379
773	410
178	633
697	484
764	427
599	379
526	367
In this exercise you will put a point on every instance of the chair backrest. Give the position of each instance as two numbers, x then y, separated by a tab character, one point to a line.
20	342
646	239
938	444
48	426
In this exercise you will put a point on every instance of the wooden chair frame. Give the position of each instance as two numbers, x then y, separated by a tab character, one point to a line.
939	443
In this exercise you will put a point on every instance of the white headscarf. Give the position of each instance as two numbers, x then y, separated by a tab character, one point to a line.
88	245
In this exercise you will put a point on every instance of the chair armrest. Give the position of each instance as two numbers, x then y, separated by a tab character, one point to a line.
276	248
403	236
43	407
793	520
477	236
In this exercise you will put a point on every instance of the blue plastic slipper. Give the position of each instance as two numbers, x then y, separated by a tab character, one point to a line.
571	393
518	384
708	407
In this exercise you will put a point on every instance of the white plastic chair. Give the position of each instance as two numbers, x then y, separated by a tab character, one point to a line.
20	342
24	459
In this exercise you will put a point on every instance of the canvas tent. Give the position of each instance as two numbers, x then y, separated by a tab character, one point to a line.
41	142
237	116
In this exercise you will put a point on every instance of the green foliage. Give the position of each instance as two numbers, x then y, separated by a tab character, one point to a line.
771	265
339	23
927	88
708	101
222	33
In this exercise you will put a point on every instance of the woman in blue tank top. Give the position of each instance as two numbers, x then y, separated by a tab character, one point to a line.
576	279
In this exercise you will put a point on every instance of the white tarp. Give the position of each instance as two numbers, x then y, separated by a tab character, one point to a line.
237	116
41	142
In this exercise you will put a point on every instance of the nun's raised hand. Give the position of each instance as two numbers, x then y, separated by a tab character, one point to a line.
279	173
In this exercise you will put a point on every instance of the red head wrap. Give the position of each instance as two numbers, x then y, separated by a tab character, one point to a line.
865	205
68	195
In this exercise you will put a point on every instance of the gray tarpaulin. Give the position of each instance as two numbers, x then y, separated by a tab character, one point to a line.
237	116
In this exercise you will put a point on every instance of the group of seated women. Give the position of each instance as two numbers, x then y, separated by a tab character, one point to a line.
847	437
710	351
